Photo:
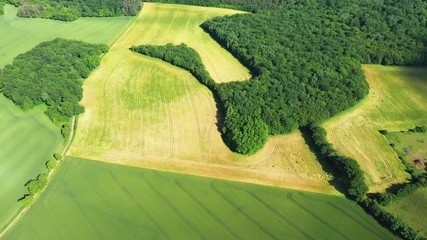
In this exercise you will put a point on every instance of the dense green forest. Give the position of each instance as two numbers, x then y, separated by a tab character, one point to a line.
306	56
52	74
70	10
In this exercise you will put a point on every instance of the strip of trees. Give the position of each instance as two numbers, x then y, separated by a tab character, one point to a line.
70	10
351	177
306	56
250	133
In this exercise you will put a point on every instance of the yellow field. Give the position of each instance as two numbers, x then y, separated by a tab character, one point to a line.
397	101
144	112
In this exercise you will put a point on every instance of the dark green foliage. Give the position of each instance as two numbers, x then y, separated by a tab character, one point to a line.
305	55
347	170
389	220
52	74
247	5
181	56
70	10
406	190
243	133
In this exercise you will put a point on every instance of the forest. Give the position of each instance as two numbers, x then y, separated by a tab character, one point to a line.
70	10
306	56
51	74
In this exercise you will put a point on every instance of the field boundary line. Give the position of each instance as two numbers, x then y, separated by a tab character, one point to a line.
50	174
211	184
360	223
206	209
289	222
299	205
141	175
107	203
140	207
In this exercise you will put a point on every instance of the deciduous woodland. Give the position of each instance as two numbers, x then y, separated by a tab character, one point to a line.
305	57
51	74
71	10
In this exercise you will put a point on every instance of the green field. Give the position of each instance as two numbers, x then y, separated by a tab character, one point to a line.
397	101
19	35
90	200
27	140
412	209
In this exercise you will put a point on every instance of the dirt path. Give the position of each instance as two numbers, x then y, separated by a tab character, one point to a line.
24	210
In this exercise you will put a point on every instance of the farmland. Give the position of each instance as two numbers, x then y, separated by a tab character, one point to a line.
144	112
21	34
412	209
396	102
28	140
89	200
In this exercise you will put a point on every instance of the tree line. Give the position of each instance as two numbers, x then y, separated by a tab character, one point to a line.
349	174
70	10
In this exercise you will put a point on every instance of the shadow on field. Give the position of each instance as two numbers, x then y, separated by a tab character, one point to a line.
326	166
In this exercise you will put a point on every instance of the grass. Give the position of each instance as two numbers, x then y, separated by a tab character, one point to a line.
412	146
144	112
89	200
19	35
412	209
397	101
28	140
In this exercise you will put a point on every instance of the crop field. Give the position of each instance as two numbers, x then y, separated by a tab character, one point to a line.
19	35
27	140
412	209
90	200
144	112
397	101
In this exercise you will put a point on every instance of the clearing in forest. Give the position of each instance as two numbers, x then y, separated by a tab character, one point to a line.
144	112
397	101
93	200
28	140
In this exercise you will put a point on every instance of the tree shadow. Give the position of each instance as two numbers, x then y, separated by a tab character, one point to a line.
326	166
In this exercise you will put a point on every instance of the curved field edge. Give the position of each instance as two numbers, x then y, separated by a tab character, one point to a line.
28	139
19	35
396	102
109	200
144	112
